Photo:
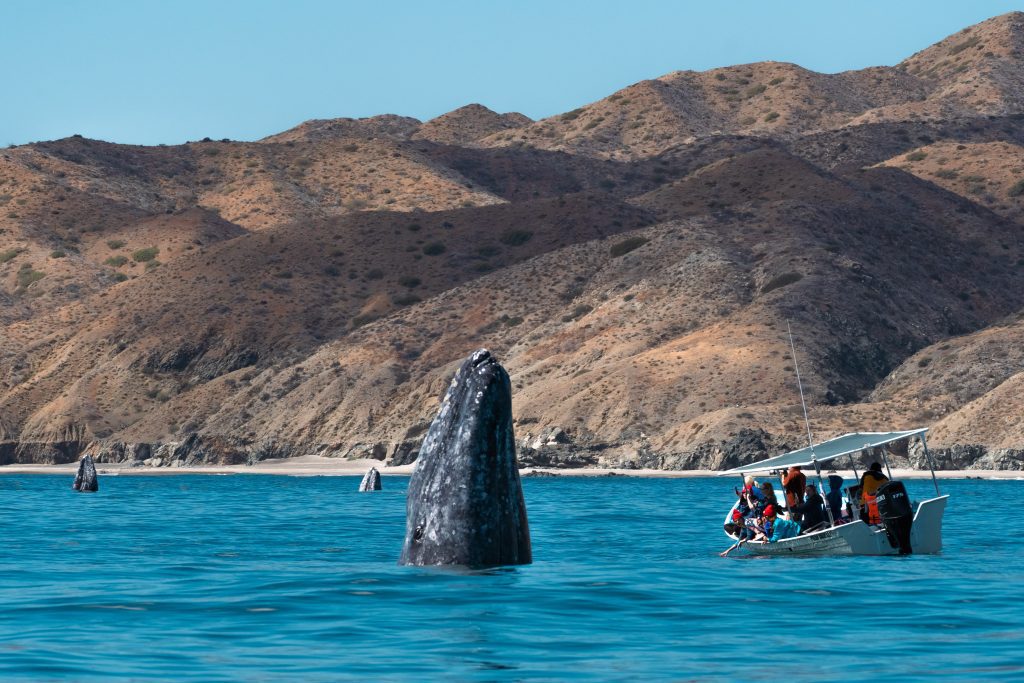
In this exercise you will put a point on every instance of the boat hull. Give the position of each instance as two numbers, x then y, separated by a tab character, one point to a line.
858	538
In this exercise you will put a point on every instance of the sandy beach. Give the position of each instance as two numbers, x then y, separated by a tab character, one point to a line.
317	466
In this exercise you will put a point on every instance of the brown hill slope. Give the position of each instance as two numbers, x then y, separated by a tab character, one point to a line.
651	351
386	126
634	263
468	124
991	173
243	301
975	72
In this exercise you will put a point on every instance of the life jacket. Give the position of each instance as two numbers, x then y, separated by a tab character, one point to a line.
871	503
870	483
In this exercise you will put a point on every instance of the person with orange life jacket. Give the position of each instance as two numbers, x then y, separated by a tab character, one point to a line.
869	483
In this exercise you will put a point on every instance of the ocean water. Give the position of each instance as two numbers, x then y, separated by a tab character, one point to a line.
295	578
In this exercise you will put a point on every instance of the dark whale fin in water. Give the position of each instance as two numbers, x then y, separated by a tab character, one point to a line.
465	501
86	480
371	481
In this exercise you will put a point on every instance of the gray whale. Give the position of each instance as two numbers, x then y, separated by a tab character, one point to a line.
465	501
86	480
371	481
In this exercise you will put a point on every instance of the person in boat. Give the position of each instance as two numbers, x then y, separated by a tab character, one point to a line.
794	484
834	497
746	529
870	481
750	488
781	528
812	511
769	495
751	501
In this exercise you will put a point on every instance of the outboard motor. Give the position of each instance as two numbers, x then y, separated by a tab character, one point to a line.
896	513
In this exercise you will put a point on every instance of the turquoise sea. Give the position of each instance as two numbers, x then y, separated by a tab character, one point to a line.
273	578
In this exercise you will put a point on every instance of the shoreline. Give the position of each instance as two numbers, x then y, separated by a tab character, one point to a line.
317	466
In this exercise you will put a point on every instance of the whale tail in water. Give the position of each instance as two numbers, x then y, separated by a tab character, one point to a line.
371	481
465	500
86	480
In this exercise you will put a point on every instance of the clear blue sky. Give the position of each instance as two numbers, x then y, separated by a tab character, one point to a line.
147	72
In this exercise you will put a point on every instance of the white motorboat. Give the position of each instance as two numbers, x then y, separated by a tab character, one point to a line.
856	537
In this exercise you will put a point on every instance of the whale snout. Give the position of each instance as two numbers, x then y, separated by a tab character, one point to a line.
481	356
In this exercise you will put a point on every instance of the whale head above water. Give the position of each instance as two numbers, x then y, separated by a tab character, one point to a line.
371	480
85	480
465	501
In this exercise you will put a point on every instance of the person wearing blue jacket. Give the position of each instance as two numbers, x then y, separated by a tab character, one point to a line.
783	528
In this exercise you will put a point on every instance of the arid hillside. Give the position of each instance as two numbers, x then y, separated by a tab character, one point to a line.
635	263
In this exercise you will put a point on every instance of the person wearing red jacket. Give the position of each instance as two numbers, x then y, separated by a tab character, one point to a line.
794	484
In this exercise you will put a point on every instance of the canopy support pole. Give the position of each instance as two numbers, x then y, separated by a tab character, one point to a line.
931	465
853	465
885	459
821	492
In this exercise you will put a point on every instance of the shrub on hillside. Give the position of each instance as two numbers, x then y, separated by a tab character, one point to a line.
115	244
409	281
627	245
516	238
960	47
781	281
147	254
116	261
1017	189
6	256
916	156
405	299
578	312
26	276
434	249
771	116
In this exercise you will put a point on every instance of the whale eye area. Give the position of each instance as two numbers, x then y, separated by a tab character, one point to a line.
417	535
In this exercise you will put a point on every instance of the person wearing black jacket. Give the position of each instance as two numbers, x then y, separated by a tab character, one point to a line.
812	509
835	496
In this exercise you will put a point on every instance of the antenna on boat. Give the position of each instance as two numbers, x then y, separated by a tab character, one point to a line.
807	423
800	385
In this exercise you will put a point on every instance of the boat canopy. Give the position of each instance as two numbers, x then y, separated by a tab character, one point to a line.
826	450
